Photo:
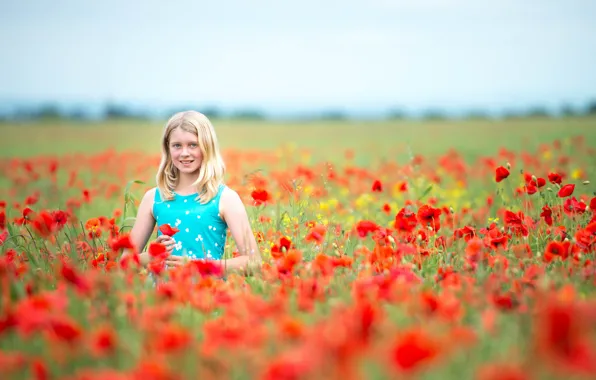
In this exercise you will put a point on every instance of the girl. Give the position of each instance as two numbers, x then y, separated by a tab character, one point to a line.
191	196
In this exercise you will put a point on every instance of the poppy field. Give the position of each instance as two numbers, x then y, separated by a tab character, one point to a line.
448	250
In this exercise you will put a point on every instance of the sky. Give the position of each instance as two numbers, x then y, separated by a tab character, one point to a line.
300	55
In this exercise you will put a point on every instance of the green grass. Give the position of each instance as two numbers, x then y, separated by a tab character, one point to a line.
390	140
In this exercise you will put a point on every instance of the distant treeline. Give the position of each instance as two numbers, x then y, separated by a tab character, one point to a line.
121	111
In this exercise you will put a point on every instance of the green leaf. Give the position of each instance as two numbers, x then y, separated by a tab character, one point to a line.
426	192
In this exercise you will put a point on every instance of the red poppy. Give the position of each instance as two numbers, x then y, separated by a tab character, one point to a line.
466	232
547	215
365	227
566	190
556	249
316	234
429	216
377	186
413	349
405	220
208	267
157	250
555	178
168	230
73	277
260	197
501	173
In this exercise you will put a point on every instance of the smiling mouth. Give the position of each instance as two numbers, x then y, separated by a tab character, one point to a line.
187	162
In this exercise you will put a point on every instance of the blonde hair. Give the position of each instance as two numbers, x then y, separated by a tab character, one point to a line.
212	168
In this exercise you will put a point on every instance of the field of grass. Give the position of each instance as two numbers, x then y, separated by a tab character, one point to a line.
372	139
434	250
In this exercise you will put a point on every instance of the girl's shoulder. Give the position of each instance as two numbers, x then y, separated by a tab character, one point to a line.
151	194
229	199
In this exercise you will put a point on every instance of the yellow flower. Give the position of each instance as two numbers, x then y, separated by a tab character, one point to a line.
577	173
363	200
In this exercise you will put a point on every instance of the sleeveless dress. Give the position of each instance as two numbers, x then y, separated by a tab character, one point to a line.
202	232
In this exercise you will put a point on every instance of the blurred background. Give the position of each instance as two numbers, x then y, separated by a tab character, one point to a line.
290	60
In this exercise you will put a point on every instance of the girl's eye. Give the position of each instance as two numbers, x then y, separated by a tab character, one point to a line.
193	145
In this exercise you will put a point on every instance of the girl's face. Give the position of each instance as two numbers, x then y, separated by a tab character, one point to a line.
185	152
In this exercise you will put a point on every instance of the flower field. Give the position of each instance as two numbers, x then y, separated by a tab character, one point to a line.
441	252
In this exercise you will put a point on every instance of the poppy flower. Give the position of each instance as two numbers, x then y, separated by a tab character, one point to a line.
168	230
2	220
501	173
377	186
566	190
260	197
429	216
555	178
405	221
157	249
208	267
556	249
547	215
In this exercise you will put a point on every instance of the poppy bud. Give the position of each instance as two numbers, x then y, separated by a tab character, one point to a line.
508	166
586	182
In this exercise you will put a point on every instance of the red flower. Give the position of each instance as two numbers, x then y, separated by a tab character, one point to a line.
316	234
104	341
377	186
157	250
208	267
3	237
566	190
364	227
547	215
93	225
122	242
501	173
556	249
65	329
555	178
73	277
429	216
465	232
43	224
412	350
405	221
260	196
168	230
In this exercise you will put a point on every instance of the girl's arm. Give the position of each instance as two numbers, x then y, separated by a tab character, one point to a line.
143	227
234	213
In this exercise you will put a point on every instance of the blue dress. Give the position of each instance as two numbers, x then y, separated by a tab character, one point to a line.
202	232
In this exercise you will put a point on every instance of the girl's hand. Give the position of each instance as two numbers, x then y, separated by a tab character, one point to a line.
177	261
167	241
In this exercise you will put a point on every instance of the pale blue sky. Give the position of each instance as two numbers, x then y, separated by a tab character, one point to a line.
305	54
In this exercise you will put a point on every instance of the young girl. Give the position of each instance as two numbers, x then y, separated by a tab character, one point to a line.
191	196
